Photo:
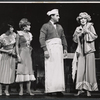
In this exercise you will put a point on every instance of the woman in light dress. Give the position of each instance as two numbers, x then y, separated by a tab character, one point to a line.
84	59
7	58
24	69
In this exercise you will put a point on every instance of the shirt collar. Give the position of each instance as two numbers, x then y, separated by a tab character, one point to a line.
52	22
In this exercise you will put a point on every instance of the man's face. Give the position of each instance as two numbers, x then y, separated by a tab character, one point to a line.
56	17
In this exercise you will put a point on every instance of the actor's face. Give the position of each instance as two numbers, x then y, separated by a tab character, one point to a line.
83	21
11	29
56	18
27	27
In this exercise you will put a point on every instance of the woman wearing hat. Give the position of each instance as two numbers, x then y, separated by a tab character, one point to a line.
85	36
7	58
24	69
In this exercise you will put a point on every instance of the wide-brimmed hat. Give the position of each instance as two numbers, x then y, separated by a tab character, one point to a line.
24	22
54	11
83	15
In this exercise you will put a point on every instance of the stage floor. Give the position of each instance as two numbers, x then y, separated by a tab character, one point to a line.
39	94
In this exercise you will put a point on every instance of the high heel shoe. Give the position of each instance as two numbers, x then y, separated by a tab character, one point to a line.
20	93
79	92
6	93
30	93
0	93
88	94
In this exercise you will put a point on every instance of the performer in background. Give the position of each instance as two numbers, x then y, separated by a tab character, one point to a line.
52	39
24	69
84	59
7	58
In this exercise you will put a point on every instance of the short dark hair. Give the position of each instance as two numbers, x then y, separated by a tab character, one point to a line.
5	27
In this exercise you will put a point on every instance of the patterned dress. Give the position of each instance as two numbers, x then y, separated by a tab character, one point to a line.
7	61
24	69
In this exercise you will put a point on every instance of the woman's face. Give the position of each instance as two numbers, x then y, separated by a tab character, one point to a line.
27	28
83	21
11	29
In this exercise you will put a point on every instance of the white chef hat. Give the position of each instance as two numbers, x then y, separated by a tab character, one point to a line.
54	11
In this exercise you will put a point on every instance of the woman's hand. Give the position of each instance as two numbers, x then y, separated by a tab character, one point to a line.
10	52
79	30
18	59
31	48
46	54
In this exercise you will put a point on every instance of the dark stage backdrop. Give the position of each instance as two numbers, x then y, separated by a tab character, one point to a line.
36	13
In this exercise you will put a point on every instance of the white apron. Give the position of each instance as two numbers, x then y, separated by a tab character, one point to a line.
54	68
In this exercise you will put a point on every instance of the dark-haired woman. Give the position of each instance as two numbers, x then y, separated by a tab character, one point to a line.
7	58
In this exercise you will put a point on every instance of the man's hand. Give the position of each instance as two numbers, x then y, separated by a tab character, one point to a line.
65	53
46	54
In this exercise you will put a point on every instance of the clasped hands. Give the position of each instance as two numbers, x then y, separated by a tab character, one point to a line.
82	31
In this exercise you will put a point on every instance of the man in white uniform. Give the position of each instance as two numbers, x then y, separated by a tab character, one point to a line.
53	42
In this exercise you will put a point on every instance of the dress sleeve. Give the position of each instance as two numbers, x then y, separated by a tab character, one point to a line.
31	37
2	36
42	38
2	39
91	36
